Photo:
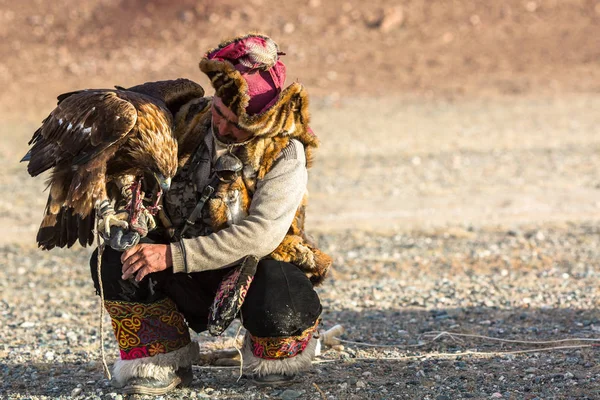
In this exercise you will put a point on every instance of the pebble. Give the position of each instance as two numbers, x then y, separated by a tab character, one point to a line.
32	353
290	394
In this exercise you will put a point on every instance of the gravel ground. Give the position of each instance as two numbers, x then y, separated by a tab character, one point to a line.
531	284
486	227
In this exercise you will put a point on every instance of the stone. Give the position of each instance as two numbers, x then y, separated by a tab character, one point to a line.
569	375
290	394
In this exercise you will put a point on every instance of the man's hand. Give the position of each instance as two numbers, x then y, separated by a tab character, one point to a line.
145	259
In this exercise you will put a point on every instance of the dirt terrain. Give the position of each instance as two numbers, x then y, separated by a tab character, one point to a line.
457	189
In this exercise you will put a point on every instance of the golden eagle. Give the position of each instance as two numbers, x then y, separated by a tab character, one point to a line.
97	142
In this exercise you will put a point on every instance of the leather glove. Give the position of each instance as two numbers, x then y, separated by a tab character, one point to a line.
121	239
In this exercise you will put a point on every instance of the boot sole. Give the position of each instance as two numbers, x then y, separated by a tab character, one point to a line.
279	383
140	389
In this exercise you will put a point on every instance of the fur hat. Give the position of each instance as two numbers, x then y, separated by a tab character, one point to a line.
257	60
248	76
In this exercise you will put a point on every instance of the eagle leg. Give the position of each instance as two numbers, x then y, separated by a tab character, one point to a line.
108	217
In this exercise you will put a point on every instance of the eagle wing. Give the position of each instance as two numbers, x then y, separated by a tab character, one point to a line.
85	139
83	124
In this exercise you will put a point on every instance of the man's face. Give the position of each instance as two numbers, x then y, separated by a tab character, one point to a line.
225	123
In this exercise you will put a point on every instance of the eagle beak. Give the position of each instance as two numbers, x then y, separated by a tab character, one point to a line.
165	183
27	157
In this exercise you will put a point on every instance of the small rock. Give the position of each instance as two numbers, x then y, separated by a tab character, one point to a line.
27	325
186	16
49	355
290	394
496	395
361	384
392	18
289	28
76	392
540	236
531	6
344	355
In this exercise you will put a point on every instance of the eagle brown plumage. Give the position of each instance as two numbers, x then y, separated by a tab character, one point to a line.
97	142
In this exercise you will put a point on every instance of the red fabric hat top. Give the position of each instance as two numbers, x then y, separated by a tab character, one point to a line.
257	60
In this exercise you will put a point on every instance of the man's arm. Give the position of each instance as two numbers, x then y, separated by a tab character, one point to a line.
272	210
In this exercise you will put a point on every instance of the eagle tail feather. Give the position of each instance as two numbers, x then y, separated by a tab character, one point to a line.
64	229
69	234
86	230
46	234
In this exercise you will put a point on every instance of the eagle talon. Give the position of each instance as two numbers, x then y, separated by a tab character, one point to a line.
150	219
108	218
112	220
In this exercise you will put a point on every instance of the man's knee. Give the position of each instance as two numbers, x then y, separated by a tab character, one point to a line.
113	286
281	301
110	267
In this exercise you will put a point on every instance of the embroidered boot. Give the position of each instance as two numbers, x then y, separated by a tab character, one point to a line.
276	361
156	350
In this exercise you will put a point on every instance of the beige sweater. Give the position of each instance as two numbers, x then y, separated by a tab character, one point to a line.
271	212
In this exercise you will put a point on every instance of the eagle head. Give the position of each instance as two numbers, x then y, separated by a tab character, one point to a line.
155	154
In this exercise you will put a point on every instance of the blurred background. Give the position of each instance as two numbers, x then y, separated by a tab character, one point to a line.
337	48
430	113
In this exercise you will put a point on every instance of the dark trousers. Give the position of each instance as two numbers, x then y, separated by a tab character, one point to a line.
281	300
